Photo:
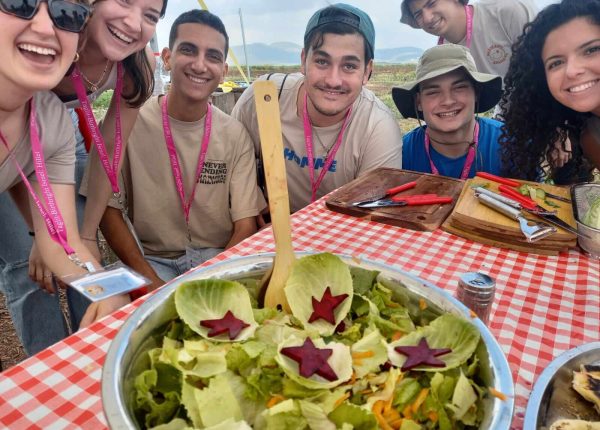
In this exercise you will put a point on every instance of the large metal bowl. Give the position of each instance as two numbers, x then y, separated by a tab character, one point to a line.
552	397
127	353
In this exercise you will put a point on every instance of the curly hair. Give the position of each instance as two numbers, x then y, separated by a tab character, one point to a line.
138	68
533	119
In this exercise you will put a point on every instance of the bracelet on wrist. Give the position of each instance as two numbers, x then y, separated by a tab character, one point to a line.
90	239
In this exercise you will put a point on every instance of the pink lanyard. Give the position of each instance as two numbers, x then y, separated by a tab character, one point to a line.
469	13
175	162
111	171
470	155
52	216
308	139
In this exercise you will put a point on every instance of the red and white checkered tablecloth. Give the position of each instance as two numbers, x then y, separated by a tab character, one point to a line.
544	306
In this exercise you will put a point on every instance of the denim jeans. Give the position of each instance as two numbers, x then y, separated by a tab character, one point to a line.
169	268
36	314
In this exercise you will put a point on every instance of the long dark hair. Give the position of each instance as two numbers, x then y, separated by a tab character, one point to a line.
138	68
533	119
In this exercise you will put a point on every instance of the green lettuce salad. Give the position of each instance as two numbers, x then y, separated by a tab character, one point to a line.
356	353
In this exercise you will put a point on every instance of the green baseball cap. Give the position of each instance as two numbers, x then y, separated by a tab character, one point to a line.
407	16
341	12
438	61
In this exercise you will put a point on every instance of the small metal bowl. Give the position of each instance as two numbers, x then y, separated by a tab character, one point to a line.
581	194
552	397
127	353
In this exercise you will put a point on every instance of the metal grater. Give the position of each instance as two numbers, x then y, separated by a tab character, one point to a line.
582	196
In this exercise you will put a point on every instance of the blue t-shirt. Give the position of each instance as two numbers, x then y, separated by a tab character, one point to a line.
415	158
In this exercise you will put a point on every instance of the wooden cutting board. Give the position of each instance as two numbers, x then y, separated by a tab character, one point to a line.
375	182
475	221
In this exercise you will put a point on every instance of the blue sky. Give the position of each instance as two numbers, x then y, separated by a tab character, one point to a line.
268	21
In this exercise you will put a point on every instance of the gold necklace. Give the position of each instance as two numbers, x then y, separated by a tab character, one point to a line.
93	86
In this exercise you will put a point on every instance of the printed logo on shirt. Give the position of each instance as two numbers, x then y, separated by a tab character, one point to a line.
290	155
214	172
497	54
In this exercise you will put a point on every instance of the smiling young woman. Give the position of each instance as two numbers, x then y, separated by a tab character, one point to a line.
553	93
37	159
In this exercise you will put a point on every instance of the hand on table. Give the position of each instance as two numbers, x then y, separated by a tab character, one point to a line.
102	308
559	156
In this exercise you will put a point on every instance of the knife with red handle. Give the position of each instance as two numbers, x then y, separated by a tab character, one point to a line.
525	201
416	200
388	192
498	179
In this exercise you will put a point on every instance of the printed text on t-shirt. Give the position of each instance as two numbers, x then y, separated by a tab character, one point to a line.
290	155
214	172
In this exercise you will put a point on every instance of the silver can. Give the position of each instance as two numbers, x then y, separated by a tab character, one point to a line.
476	291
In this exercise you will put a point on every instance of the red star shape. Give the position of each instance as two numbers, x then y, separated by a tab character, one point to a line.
229	323
311	360
421	354
324	308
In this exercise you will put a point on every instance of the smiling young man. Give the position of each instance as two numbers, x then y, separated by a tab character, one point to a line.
326	111
488	28
447	92
189	174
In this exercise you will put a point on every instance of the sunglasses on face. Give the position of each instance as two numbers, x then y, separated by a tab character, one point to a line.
65	14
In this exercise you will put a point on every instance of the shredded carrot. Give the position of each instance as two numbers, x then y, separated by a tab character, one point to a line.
396	424
497	393
366	391
472	314
341	399
378	407
407	412
433	416
393	305
420	399
422	304
277	398
353	378
392	414
397	335
382	421
365	354
388	406
357	362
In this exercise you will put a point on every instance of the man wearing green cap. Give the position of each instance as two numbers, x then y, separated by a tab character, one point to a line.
327	116
447	92
488	28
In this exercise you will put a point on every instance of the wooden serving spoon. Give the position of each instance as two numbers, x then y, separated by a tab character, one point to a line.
269	126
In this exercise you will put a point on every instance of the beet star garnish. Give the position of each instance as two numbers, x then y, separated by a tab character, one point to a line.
421	354
229	323
311	360
324	308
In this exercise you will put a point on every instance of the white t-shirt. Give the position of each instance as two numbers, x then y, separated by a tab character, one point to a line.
496	26
372	139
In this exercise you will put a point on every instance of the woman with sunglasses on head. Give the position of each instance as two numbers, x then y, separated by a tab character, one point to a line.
553	93
37	146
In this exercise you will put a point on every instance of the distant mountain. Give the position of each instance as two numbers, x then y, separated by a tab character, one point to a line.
287	53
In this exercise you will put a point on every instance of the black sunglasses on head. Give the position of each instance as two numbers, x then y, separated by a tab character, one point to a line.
66	15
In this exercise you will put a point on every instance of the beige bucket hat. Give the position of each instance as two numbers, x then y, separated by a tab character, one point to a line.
438	61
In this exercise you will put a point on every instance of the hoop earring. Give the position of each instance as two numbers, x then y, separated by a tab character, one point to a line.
76	59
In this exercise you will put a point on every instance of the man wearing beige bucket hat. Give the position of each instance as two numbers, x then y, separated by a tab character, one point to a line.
446	93
488	28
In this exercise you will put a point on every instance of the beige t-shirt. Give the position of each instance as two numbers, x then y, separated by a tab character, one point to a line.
372	139
57	137
227	191
496	26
